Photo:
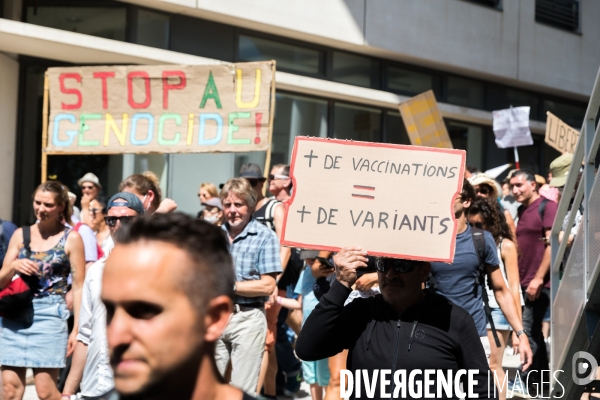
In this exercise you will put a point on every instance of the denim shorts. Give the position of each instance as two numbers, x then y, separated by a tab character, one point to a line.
41	344
316	372
500	322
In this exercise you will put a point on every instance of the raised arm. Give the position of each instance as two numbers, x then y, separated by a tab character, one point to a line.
325	331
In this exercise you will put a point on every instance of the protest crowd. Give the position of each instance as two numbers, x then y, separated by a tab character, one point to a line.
126	298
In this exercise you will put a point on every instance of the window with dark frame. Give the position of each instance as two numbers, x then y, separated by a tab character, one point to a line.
563	14
490	3
159	29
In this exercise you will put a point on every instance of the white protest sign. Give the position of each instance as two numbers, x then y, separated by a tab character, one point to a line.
392	200
511	127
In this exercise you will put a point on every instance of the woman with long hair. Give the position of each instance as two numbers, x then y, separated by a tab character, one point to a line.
146	186
39	340
485	214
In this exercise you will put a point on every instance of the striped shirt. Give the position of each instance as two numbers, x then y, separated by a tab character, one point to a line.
255	252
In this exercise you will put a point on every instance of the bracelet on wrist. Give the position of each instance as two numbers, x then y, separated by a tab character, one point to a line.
278	300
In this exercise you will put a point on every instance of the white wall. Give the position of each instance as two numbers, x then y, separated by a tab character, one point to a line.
505	45
9	88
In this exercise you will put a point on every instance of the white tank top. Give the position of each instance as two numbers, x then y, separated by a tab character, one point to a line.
490	292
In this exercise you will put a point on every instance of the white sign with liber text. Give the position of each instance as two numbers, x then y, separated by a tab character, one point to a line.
391	200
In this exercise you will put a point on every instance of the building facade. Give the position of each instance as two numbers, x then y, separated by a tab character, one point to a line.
342	68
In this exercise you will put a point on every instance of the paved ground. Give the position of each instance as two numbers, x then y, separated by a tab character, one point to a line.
510	363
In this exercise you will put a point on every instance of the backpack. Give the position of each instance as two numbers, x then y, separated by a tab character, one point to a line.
16	297
267	218
479	242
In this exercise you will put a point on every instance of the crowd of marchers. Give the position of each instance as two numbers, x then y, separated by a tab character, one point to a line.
122	297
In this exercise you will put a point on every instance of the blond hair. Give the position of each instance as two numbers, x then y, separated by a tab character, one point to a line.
210	188
142	184
242	189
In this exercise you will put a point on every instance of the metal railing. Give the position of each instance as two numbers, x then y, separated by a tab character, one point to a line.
576	295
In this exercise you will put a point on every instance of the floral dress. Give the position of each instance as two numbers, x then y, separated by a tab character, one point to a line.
54	269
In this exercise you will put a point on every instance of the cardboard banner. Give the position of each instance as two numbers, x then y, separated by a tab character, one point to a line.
160	109
424	123
392	200
511	127
560	135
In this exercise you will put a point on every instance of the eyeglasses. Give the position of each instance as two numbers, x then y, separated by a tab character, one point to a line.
252	182
478	225
384	264
272	177
94	211
87	187
112	221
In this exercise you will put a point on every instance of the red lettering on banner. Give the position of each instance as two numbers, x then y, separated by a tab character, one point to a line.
130	77
167	86
103	76
76	92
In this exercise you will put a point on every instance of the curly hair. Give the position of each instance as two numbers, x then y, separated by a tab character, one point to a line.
492	216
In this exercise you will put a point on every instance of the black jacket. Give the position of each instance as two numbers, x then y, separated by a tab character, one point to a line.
434	334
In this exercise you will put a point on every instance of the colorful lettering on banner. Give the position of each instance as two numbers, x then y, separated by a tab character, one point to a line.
161	109
391	200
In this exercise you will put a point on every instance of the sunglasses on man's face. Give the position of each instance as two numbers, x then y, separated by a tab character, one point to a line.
87	187
384	265
272	177
112	221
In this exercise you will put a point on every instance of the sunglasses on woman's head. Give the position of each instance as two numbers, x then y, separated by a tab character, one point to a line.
112	221
384	265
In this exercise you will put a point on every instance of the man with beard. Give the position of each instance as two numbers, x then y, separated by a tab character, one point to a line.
168	288
403	329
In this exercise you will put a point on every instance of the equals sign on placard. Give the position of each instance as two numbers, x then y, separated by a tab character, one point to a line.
364	196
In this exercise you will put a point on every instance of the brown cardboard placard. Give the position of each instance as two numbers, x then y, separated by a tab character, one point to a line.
423	121
559	135
160	109
392	200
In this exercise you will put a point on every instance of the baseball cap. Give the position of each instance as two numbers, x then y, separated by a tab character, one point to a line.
129	200
213	202
560	170
89	177
251	171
